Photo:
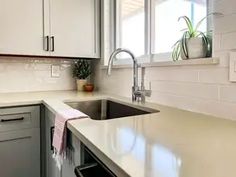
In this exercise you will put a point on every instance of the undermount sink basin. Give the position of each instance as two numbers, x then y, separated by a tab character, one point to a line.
108	109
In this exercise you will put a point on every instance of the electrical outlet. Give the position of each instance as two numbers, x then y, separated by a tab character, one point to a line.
232	67
55	71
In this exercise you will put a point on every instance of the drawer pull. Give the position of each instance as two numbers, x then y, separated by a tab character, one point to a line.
11	120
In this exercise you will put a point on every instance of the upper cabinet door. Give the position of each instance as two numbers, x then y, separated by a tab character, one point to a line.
74	28
21	31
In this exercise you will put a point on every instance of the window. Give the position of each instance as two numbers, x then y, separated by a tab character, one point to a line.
131	25
167	28
151	27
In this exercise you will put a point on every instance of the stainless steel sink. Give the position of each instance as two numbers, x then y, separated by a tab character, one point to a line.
109	109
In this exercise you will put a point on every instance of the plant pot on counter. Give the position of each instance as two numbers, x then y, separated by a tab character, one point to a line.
80	84
88	87
196	49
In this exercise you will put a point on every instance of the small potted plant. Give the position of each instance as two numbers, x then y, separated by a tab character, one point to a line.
81	71
193	43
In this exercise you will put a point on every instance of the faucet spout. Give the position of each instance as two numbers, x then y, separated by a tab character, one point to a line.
135	64
135	88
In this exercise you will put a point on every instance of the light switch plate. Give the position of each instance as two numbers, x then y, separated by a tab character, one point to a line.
232	67
55	71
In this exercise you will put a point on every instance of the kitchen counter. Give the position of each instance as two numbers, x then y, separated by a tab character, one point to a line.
171	143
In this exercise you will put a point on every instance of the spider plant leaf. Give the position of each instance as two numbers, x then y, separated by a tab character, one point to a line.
178	51
184	41
185	29
175	53
188	23
207	43
204	37
176	43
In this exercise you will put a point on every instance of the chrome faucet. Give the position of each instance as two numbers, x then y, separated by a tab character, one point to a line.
138	93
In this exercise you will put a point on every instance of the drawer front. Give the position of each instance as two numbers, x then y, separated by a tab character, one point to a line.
20	153
19	118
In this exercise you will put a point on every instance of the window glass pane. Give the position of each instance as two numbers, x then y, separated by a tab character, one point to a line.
131	26
167	27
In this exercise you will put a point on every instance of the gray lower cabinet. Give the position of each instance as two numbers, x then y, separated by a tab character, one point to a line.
20	142
51	170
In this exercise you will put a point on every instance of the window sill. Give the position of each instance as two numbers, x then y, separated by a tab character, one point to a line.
200	61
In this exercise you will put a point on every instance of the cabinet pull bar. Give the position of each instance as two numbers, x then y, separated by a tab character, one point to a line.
46	46
52	44
11	120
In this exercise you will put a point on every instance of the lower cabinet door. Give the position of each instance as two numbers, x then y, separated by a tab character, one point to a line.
20	153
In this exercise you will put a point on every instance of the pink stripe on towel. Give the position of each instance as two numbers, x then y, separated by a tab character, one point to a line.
59	137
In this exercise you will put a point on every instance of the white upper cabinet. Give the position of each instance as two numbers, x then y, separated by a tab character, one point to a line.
74	27
63	28
21	30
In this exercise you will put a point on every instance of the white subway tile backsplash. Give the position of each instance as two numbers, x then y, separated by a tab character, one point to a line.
224	58
214	75
224	6
228	93
198	90
23	75
172	74
217	42
224	24
228	41
211	107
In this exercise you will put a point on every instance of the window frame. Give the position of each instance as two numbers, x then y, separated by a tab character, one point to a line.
149	34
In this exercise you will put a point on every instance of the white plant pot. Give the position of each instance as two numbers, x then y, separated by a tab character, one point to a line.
196	49
80	84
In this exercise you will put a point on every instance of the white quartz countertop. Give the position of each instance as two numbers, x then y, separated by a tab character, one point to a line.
171	143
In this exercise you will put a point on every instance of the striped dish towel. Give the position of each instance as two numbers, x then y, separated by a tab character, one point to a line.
60	133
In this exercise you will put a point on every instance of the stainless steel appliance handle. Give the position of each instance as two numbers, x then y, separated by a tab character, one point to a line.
51	137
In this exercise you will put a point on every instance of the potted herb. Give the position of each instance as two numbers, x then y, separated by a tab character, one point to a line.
193	43
81	71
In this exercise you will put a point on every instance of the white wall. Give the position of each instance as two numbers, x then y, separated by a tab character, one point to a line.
204	88
33	74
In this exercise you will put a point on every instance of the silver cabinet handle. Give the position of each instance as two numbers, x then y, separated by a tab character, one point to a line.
46	46
11	120
52	38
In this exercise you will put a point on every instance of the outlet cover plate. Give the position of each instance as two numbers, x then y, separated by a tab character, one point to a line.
55	71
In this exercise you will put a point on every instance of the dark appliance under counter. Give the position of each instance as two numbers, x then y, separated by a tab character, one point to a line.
91	166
